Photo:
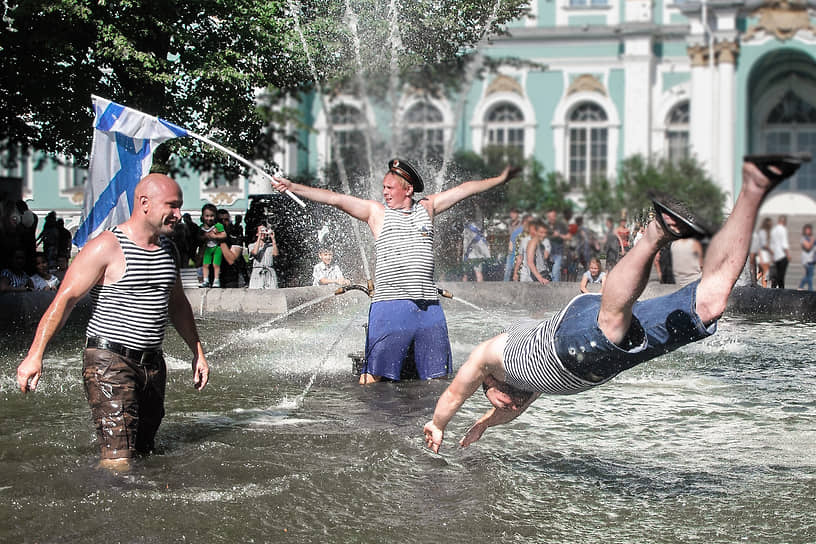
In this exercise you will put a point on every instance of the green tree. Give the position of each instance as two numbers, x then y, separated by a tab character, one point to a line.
201	63
198	64
638	176
538	190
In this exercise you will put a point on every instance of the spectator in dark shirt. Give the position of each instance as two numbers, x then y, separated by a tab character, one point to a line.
14	278
64	242
612	245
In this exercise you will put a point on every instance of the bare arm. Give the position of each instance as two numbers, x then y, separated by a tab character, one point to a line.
85	271
368	211
584	281
181	316
442	201
483	361
231	255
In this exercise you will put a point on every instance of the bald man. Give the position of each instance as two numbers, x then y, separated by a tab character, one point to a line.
132	275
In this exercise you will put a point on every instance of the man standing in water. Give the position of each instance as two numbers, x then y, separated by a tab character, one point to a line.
405	312
596	337
132	275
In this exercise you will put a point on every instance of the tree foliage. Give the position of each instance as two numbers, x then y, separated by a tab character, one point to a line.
685	179
539	190
197	64
202	63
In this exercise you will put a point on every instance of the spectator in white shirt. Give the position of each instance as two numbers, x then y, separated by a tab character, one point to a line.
779	250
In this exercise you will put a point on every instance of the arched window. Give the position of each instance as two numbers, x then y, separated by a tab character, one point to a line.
791	126
677	132
504	134
348	124
424	135
588	137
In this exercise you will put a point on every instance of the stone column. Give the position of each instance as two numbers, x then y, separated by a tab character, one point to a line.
726	128
637	65
701	134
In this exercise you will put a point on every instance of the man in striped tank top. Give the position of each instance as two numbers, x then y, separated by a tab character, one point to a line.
598	336
405	314
132	275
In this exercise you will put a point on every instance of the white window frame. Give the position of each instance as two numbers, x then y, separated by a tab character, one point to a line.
479	125
561	136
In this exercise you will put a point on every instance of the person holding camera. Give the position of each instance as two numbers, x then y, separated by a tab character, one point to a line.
262	254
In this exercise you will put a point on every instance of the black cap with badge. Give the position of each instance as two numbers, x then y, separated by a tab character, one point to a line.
406	171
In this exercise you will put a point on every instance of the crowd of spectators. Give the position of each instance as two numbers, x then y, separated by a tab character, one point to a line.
552	247
556	246
227	257
22	266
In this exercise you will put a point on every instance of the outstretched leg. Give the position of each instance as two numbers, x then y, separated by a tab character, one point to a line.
728	250
627	280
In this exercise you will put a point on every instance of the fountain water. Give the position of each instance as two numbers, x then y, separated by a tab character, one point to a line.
713	442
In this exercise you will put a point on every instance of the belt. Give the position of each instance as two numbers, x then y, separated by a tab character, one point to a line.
144	357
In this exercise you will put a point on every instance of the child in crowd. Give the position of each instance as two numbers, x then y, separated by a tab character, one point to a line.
325	272
212	234
593	279
60	267
43	280
14	278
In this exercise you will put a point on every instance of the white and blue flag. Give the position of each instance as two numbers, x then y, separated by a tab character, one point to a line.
122	153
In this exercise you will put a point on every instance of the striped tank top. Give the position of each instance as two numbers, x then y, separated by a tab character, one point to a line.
405	260
532	364
133	311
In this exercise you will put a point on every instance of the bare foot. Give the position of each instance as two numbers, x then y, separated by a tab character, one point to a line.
120	464
368	378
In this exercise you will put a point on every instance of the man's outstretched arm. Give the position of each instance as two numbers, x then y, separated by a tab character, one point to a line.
444	200
483	361
358	208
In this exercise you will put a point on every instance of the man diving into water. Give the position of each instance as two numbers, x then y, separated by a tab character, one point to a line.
598	336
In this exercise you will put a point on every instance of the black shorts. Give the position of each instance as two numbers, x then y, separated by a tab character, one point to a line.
126	398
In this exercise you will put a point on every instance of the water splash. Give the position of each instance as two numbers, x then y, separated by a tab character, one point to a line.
268	324
393	78
351	16
295	7
466	303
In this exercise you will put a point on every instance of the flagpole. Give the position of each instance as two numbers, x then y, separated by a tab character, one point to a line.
242	160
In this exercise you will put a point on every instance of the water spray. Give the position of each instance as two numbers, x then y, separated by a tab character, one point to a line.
295	6
361	81
470	76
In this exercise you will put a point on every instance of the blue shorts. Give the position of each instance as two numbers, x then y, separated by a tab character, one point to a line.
659	325
394	326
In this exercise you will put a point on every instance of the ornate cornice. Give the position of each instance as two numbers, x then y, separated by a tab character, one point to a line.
698	55
727	52
586	82
504	84
781	18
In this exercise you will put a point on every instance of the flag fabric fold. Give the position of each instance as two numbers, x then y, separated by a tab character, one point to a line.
122	153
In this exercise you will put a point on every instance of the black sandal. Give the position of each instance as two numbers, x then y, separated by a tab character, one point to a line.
682	215
786	163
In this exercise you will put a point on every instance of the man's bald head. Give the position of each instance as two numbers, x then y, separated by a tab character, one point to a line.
153	185
158	201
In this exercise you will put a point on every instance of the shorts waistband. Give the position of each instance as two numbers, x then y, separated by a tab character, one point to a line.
143	357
